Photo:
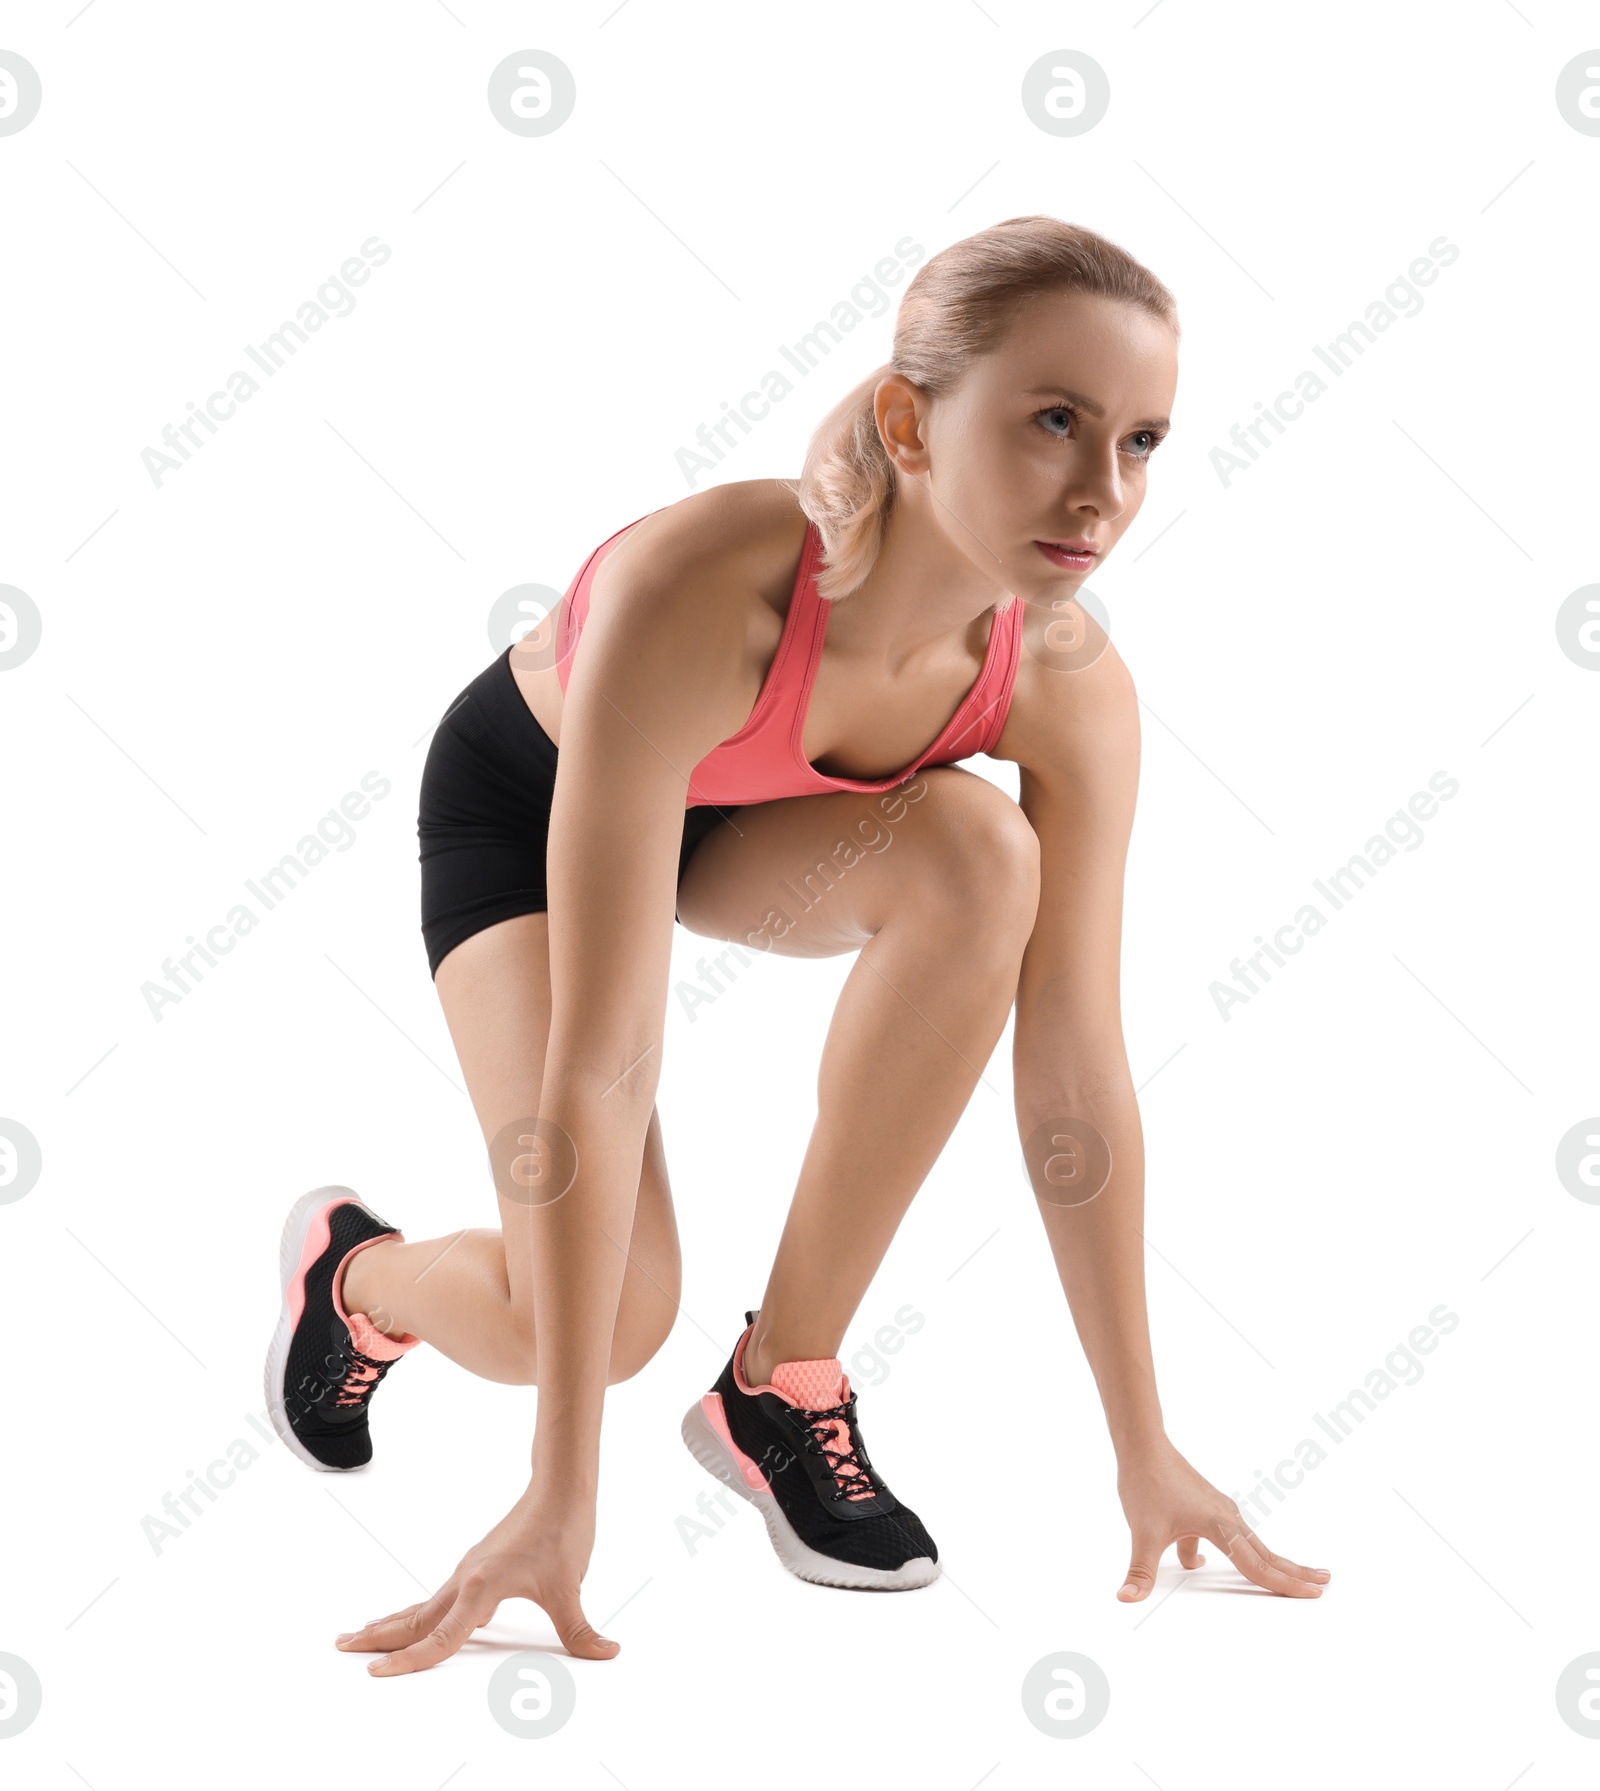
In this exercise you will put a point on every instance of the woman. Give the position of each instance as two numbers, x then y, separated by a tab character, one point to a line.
723	734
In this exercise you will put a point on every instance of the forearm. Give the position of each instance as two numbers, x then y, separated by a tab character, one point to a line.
1096	1238
579	1258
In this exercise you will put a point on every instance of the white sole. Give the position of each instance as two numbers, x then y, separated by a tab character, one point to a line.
290	1249
805	1562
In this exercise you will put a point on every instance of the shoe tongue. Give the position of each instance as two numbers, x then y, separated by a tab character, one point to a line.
815	1386
371	1341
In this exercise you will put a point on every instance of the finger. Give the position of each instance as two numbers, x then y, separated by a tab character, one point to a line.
1285	1565
356	1638
400	1628
1253	1559
474	1604
408	1610
1189	1552
1141	1575
578	1635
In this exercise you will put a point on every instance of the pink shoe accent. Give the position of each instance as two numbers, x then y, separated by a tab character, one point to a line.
366	1335
711	1405
813	1386
371	1341
316	1242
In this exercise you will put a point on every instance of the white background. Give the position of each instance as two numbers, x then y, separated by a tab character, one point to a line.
224	656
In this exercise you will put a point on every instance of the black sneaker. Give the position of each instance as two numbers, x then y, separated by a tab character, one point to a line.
794	1450
325	1362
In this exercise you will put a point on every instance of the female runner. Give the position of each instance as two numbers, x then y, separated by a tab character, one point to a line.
736	756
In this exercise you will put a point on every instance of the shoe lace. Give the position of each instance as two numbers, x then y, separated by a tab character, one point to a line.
826	1428
362	1374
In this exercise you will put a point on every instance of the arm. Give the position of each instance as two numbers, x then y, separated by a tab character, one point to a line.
1078	791
654	688
1078	743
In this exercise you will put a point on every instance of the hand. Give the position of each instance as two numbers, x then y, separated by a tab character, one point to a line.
539	1550
1165	1500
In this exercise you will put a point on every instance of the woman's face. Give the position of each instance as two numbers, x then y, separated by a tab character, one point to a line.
1047	439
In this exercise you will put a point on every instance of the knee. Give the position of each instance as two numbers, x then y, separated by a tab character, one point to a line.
642	1328
988	858
515	1358
632	1349
516	1364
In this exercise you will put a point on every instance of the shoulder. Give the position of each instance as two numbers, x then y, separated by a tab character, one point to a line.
1074	707
686	610
719	545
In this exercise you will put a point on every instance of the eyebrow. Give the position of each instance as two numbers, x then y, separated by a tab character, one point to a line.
1097	411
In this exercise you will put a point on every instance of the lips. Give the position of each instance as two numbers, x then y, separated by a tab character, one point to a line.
1069	556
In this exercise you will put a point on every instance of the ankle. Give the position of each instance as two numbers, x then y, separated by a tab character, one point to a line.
360	1287
755	1367
764	1355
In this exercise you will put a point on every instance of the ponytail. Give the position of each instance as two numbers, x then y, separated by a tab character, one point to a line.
847	488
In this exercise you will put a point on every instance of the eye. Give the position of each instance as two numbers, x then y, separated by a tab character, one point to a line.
1057	419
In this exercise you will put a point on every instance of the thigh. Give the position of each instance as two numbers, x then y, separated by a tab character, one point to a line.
495	991
483	815
814	876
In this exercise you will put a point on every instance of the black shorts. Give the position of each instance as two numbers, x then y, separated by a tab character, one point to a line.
483	819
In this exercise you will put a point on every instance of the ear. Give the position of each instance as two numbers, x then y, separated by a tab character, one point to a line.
901	409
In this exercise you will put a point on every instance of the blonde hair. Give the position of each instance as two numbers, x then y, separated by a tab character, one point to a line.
956	308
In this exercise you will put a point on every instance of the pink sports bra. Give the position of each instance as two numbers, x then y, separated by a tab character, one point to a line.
766	758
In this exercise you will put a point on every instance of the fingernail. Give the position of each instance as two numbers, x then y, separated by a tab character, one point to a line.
378	1663
349	1635
1130	1587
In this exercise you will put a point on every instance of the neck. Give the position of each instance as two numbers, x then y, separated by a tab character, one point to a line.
921	589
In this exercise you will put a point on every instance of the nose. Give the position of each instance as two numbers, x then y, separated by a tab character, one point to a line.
1096	484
